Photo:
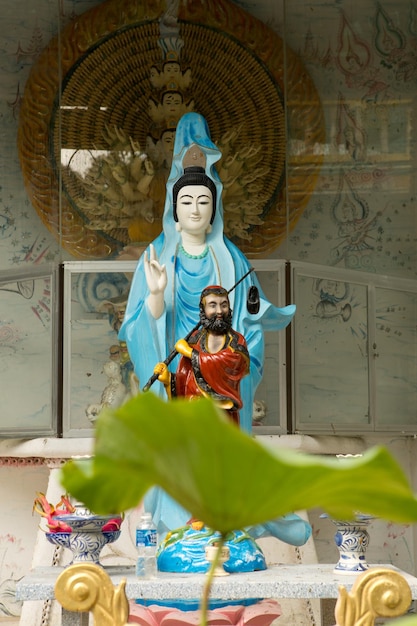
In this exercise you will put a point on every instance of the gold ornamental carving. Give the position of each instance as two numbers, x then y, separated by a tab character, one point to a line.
86	587
378	592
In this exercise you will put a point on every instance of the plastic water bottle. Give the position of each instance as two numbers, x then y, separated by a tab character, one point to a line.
146	545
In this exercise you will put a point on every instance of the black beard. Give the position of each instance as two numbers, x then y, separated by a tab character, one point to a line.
217	325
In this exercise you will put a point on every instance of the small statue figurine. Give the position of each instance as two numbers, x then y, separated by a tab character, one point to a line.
214	360
114	393
122	382
259	412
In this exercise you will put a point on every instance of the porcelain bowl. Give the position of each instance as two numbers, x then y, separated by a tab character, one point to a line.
85	546
90	533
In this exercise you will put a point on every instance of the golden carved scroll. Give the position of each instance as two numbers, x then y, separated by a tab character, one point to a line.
378	592
86	587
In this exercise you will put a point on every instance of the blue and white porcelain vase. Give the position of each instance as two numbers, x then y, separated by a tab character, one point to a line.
352	540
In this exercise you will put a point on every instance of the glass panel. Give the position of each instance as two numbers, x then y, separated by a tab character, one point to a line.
269	410
395	358
27	353
95	368
331	356
358	208
347	141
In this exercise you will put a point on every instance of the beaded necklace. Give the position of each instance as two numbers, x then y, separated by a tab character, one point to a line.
194	256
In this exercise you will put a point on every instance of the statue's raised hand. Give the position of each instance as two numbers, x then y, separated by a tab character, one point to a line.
156	279
155	273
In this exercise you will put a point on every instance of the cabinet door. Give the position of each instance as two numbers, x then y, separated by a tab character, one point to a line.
95	293
270	405
330	365
354	352
395	359
28	352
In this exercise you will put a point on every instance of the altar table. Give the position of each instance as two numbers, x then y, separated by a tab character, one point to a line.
278	581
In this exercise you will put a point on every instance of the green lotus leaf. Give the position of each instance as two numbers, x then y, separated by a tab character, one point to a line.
410	620
223	476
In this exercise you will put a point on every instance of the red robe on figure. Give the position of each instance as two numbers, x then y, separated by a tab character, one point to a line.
213	374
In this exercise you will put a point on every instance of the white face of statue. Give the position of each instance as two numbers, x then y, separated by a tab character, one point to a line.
194	209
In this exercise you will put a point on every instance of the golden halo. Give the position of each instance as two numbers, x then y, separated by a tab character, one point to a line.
107	54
